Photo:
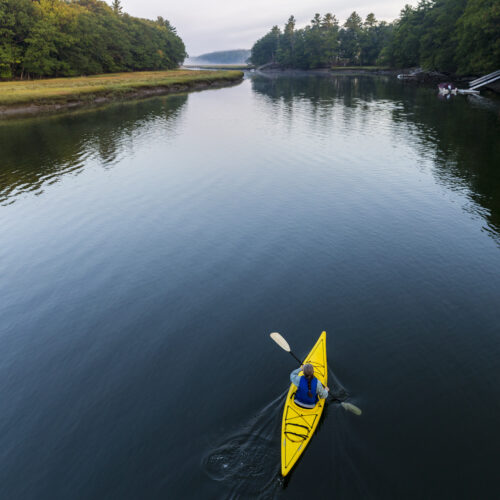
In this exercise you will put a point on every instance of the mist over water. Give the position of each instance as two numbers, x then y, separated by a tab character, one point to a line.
149	248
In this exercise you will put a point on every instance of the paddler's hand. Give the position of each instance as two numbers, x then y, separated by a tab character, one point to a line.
327	388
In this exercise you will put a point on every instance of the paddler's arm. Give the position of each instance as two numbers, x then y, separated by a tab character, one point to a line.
294	376
321	391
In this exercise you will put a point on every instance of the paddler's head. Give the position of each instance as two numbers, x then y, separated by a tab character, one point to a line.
308	371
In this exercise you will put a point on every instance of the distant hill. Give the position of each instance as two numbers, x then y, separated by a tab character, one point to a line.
239	56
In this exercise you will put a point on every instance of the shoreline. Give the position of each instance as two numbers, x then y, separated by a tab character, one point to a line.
225	67
421	78
369	70
327	71
105	96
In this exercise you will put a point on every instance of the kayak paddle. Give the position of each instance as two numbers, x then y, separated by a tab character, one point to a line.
283	344
350	407
286	347
347	406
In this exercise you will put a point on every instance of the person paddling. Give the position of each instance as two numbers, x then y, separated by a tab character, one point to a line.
309	388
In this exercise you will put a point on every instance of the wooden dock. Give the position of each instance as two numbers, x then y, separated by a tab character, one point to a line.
484	81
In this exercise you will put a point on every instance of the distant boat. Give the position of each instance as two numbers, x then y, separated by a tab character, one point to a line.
407	76
411	75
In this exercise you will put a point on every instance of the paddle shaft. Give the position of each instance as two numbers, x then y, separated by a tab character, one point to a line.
300	362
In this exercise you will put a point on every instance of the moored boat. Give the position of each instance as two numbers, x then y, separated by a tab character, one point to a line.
447	88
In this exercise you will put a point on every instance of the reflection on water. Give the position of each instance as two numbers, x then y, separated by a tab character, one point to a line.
37	152
460	136
136	297
465	147
463	143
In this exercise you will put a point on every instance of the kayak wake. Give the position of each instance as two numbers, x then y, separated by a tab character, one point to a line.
248	460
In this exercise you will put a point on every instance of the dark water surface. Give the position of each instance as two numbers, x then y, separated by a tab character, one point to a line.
149	248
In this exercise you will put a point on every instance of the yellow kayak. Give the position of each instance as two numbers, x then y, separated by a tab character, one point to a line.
298	424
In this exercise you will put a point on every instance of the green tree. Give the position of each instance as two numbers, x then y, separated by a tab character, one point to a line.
117	7
314	38
478	37
330	39
49	37
408	31
350	36
16	19
266	49
61	38
370	21
374	36
438	40
286	53
445	35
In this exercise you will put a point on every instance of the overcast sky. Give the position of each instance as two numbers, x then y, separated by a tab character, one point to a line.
209	25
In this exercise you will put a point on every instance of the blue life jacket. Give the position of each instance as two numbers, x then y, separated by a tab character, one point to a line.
301	395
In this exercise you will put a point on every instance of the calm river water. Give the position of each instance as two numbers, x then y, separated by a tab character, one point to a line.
149	248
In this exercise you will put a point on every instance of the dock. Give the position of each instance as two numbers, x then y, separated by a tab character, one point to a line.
485	81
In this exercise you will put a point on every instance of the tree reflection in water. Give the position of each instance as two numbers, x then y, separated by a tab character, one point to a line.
460	135
38	151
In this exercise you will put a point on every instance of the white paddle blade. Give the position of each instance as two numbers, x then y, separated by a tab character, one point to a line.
350	407
280	341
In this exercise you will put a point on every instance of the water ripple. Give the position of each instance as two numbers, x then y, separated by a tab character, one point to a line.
247	462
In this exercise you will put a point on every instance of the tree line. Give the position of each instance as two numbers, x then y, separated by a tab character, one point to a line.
460	36
48	38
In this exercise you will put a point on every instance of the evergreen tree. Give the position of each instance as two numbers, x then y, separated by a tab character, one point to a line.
405	49
286	53
314	39
350	38
374	36
330	38
445	35
266	49
370	21
117	7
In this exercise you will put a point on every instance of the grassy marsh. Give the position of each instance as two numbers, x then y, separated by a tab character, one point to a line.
89	88
221	66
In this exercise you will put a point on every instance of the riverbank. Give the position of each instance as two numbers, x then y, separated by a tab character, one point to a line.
415	75
38	96
363	70
412	76
336	70
344	71
240	67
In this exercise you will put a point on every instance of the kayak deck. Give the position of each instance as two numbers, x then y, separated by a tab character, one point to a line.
298	424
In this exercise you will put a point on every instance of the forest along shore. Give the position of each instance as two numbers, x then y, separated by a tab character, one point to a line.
446	36
37	96
417	76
